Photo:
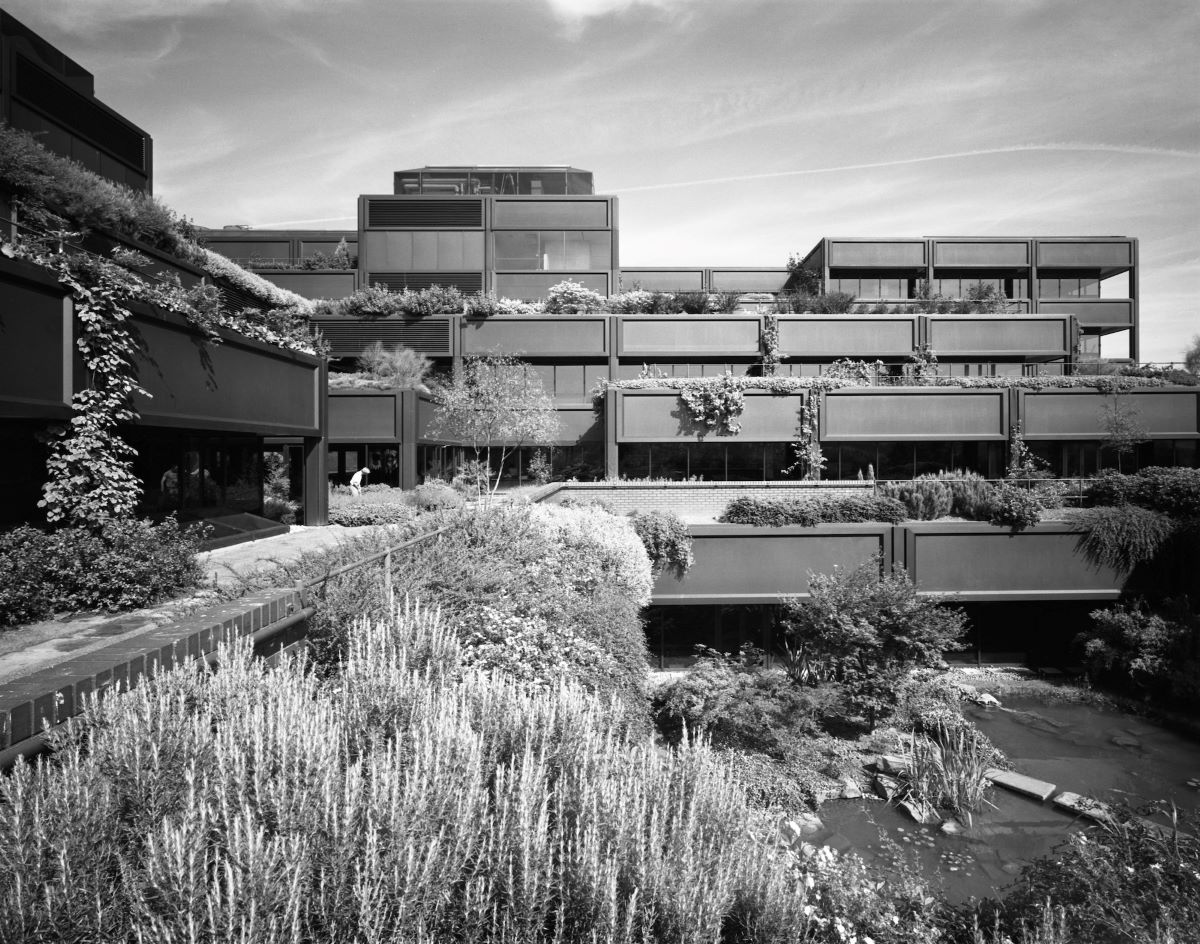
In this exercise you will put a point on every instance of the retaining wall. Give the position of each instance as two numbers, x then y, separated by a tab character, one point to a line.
53	695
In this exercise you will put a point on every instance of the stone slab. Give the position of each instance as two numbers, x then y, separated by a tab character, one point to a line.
1019	783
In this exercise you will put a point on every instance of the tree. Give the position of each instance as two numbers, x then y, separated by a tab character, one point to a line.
495	405
1191	357
865	630
1123	430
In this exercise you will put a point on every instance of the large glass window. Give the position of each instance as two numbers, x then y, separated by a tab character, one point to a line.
554	250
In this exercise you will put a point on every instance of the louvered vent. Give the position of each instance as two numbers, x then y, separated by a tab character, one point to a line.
348	338
398	281
425	214
234	299
44	92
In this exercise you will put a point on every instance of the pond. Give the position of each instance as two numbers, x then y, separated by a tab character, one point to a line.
1094	751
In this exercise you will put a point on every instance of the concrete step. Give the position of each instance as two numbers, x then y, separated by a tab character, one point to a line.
1019	783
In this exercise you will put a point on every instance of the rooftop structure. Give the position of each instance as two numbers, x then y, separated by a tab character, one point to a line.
48	94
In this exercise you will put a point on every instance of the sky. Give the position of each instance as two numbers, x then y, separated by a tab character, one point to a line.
734	132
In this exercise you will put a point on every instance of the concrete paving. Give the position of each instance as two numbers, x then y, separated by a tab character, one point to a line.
26	649
222	566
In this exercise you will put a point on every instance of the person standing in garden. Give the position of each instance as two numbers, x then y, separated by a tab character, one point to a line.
356	480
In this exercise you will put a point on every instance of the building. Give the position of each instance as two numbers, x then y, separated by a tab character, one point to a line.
515	231
212	410
48	94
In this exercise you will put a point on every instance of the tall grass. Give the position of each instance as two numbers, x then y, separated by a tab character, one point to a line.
408	798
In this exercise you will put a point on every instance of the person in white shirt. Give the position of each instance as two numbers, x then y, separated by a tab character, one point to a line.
356	480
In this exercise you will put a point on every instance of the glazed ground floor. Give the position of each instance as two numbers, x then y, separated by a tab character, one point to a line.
1035	633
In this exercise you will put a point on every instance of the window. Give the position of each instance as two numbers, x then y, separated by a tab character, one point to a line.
552	250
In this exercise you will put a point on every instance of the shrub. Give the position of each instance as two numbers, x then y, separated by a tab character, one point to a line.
367	512
435	300
666	539
1015	507
436	496
971	494
635	302
571	298
925	499
864	631
736	704
1123	881
1149	653
777	513
1174	491
123	565
1122	536
397	366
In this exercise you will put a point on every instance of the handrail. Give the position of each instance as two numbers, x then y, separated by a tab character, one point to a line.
303	587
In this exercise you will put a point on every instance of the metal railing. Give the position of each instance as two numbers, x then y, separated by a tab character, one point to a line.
305	588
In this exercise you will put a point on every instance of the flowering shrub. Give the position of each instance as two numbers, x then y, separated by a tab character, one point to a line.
602	543
487	305
571	298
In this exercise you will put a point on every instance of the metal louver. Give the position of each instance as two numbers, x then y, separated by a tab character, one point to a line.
425	214
347	338
47	94
467	282
234	299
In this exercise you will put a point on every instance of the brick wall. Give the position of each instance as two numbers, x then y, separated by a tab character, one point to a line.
52	695
699	498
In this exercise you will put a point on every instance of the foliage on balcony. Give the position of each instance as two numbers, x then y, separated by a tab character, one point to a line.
37	176
783	386
59	200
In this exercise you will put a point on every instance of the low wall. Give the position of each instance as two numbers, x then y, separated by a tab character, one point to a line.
53	695
698	498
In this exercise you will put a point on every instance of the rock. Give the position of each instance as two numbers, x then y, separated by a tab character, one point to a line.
923	813
792	831
987	701
891	764
887	787
850	789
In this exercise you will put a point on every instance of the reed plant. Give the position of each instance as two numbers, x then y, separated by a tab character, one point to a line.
948	769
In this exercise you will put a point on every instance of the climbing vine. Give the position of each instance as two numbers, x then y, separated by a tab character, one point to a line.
809	459
90	466
771	358
717	404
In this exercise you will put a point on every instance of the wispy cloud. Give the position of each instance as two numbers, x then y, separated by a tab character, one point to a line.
80	17
922	159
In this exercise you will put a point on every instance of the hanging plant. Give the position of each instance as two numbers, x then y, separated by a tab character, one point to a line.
716	403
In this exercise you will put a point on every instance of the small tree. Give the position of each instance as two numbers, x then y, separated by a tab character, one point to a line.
865	630
495	405
1191	357
1123	430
